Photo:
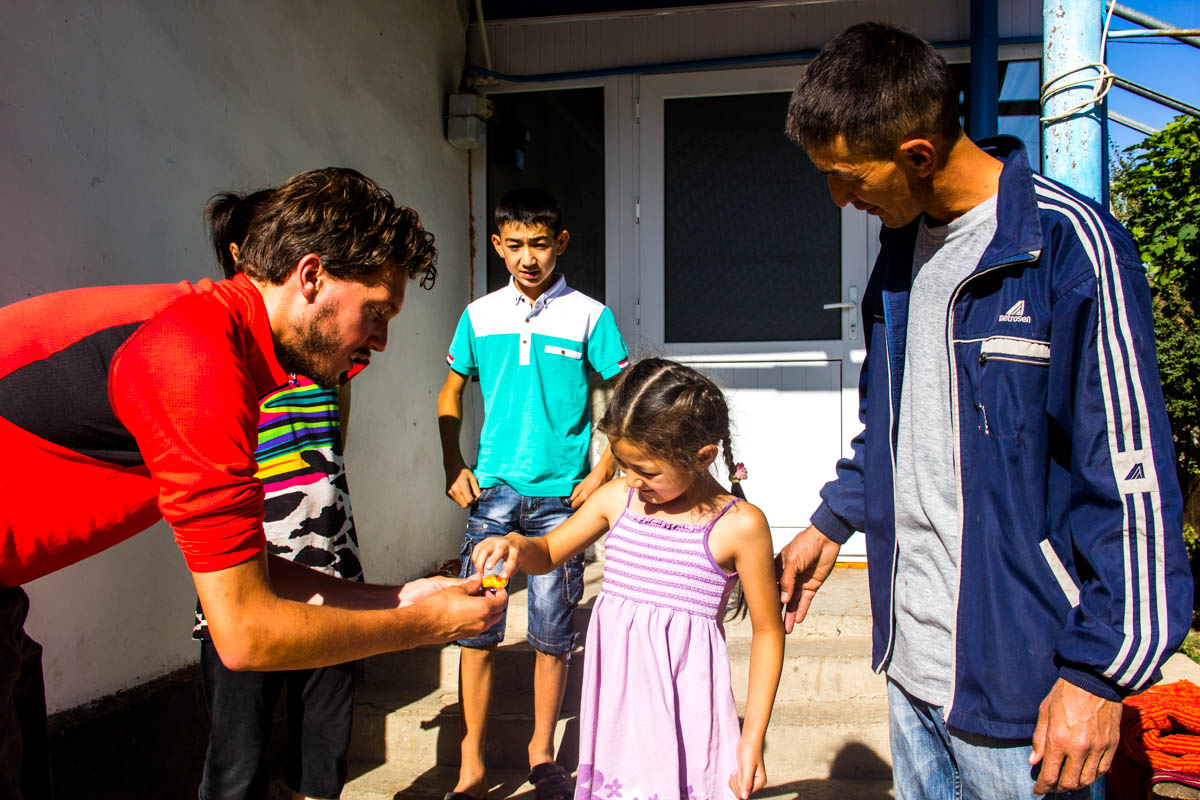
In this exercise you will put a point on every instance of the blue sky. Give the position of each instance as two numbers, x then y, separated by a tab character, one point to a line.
1172	69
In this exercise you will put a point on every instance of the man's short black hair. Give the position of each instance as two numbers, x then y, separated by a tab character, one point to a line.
875	85
528	206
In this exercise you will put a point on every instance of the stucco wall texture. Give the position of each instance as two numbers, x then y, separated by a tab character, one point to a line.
118	119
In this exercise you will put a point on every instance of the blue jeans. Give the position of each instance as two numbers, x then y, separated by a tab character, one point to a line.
501	509
929	762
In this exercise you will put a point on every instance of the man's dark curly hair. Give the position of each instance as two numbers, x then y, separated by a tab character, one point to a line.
346	219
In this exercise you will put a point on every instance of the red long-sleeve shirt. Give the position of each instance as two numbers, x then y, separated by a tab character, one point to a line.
119	405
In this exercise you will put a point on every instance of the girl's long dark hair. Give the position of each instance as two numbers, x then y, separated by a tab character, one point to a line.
228	216
671	411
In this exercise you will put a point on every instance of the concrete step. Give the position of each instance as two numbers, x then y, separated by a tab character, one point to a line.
814	668
406	782
827	657
848	738
842	607
828	735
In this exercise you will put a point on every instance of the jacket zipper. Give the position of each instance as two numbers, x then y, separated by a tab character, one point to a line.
954	432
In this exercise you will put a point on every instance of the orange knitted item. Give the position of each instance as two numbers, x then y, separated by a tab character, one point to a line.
1161	727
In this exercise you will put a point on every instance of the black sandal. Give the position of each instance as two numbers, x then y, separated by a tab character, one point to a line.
551	782
459	796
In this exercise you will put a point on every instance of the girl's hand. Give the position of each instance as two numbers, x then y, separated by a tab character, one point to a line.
751	774
506	550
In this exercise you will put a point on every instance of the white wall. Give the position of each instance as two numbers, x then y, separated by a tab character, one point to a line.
118	119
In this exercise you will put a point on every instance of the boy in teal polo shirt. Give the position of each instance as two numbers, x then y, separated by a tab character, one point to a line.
531	344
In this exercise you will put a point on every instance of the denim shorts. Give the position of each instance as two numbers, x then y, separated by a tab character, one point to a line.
552	598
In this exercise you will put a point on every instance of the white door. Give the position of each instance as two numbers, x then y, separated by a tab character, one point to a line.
749	272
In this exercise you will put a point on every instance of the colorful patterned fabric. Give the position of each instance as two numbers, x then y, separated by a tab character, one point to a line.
307	500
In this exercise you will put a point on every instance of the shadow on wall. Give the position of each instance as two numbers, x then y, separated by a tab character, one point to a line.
148	741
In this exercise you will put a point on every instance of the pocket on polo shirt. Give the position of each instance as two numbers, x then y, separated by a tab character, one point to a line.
555	350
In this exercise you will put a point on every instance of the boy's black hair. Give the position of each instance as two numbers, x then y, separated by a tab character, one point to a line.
876	85
528	206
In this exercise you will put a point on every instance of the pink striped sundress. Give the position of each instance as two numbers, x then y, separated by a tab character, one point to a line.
657	718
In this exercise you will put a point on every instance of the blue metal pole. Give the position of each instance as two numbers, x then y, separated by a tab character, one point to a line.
1073	147
985	69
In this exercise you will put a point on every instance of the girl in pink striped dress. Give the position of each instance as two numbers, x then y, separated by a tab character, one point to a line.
657	717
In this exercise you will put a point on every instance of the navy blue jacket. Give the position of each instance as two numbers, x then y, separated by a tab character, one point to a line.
1071	560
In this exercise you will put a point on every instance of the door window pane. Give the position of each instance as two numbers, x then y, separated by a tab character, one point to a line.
752	238
555	141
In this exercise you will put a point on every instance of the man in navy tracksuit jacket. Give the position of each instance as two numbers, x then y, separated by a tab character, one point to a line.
1068	584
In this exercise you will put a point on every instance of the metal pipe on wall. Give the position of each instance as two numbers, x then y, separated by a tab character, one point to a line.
1073	147
984	102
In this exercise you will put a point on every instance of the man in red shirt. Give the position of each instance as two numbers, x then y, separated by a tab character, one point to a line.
119	405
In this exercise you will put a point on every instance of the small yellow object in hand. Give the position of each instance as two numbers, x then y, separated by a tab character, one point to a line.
494	582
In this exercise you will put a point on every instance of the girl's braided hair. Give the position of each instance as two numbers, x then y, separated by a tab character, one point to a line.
670	411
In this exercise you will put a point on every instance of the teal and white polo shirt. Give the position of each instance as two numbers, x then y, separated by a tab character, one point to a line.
532	362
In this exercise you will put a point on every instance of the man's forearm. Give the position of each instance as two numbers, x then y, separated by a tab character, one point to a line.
253	627
297	582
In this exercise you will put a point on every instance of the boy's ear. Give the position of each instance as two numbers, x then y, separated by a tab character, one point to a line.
706	455
560	243
496	245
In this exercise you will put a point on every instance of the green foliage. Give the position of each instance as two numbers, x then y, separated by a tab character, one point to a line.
1177	331
1191	646
1156	193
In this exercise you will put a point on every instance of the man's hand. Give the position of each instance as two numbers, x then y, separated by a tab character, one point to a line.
1075	738
463	610
461	486
803	565
418	590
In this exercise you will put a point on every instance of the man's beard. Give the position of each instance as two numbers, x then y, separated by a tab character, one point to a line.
310	349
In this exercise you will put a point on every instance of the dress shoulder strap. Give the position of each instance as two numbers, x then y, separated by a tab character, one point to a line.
629	498
721	513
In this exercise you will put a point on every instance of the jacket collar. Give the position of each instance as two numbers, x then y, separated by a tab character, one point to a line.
1018	223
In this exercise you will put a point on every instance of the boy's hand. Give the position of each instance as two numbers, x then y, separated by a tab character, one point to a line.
751	773
498	549
583	490
461	486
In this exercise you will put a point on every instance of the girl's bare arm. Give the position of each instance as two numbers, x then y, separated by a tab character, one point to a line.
748	536
540	555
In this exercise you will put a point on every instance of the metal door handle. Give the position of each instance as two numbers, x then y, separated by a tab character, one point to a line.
849	305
